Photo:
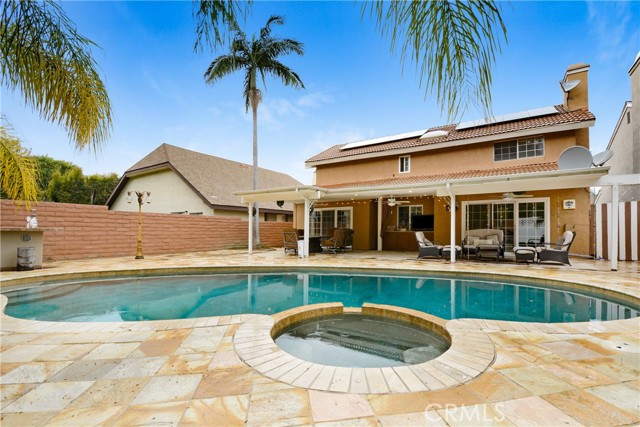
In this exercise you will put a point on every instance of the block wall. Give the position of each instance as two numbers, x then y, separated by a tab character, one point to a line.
75	231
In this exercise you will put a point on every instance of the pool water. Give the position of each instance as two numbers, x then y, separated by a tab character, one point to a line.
191	296
359	341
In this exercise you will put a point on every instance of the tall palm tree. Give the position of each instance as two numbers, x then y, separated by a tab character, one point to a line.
44	57
214	17
253	57
452	43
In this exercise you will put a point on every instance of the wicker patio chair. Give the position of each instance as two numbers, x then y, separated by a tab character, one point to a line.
427	249
559	253
290	237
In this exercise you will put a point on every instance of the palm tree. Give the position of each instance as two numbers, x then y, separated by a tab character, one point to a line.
452	43
253	57
214	17
44	57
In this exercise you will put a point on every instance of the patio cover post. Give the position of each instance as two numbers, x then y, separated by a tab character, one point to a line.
250	228
306	226
379	223
613	229
452	211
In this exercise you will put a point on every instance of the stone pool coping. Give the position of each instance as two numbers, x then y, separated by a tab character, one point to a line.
470	354
544	374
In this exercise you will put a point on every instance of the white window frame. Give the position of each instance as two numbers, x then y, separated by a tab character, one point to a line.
335	216
521	153
402	160
516	215
408	226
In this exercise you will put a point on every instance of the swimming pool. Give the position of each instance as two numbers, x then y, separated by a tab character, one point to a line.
191	296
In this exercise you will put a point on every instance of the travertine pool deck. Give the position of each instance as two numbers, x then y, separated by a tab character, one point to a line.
189	372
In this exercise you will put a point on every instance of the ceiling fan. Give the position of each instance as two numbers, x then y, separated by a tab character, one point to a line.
391	201
515	195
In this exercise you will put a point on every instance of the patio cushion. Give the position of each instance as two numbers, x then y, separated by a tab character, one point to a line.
494	238
485	242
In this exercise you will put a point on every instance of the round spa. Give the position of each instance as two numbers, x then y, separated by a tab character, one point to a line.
359	340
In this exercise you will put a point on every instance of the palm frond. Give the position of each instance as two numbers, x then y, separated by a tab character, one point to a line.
44	57
19	170
453	45
265	32
215	18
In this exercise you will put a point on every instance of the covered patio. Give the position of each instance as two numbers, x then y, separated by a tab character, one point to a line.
450	188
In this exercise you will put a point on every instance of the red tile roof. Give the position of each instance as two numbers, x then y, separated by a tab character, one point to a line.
450	176
563	117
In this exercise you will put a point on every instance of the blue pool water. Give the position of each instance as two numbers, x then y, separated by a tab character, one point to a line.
190	296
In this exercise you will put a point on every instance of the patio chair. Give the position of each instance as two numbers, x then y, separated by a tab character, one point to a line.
559	253
341	240
427	249
290	237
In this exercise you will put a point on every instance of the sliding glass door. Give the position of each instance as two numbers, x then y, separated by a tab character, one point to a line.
524	222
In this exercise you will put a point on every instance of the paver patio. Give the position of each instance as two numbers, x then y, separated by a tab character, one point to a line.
187	372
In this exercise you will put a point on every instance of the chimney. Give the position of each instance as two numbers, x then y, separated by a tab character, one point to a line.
575	86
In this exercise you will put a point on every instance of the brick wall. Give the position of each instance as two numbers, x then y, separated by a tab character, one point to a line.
85	231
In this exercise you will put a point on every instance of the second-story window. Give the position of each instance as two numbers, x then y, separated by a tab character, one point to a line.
520	149
405	164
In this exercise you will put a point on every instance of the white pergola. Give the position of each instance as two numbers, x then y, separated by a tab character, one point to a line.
536	181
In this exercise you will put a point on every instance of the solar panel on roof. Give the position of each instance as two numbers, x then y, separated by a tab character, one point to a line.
383	139
538	112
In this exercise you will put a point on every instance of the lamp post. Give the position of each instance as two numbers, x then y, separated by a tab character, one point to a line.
143	196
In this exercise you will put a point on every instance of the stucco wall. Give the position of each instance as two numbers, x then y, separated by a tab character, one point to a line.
85	231
455	159
169	194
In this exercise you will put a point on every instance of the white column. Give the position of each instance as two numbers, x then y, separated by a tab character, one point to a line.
379	223
613	229
307	206
452	241
250	228
599	250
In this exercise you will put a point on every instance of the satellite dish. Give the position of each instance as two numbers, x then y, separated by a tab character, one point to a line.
601	158
569	84
575	157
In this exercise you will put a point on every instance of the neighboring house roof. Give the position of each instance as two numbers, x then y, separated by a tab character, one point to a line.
455	135
213	179
449	176
626	108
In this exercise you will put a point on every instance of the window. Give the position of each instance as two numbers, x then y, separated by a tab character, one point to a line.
520	149
405	213
323	221
405	164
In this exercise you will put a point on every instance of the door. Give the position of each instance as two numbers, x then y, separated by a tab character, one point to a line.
503	216
524	222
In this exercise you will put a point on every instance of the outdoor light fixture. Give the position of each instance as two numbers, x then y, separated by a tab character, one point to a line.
143	197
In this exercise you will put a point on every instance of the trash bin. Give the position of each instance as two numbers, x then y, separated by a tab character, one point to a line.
26	258
300	248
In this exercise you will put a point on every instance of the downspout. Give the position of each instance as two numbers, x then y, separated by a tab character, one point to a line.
452	212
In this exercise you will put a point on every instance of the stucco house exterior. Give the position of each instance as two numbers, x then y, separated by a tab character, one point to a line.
500	172
625	142
183	181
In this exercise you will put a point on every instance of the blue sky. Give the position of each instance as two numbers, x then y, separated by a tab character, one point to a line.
355	88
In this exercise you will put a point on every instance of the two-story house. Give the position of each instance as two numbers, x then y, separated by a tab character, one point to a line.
500	172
